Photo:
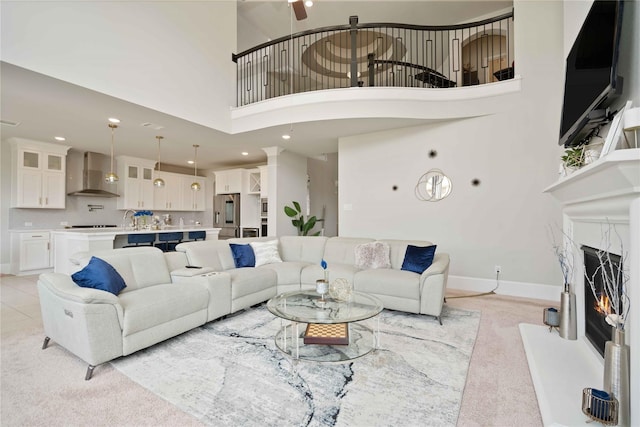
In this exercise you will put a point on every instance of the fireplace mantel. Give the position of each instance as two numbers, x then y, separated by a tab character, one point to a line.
605	191
613	180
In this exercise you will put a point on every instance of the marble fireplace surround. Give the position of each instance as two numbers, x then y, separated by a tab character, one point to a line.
607	190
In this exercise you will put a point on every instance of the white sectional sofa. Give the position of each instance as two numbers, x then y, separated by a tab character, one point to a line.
163	298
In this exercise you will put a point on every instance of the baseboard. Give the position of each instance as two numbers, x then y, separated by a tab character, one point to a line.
5	268
515	289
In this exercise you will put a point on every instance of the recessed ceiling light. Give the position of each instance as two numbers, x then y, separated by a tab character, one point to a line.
286	136
308	3
244	153
114	120
190	162
59	138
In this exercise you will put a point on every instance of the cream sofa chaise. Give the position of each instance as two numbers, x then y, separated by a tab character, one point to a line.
163	298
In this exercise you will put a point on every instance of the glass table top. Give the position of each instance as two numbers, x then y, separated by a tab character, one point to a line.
309	307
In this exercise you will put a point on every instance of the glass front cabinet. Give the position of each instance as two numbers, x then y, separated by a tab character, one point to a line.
38	174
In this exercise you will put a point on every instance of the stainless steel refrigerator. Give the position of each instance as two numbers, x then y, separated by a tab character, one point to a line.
226	215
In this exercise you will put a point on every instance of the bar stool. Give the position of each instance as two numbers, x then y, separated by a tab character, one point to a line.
168	241
134	240
197	235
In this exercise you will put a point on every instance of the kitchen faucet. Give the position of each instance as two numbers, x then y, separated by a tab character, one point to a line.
124	218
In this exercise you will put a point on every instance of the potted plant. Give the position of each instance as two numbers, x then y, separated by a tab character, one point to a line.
573	159
303	227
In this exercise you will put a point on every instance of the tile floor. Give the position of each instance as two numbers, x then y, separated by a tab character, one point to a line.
19	304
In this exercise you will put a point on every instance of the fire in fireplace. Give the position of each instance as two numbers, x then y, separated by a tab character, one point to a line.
597	330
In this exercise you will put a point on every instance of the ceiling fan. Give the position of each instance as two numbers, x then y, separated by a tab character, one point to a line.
299	8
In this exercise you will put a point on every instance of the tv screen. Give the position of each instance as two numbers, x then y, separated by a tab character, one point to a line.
591	70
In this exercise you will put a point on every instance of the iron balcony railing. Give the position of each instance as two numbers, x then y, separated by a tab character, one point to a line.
397	55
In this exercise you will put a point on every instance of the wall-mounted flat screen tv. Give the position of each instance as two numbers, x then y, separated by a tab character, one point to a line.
591	80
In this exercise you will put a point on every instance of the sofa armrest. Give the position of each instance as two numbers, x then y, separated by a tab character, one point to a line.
440	265
87	322
190	272
433	284
63	286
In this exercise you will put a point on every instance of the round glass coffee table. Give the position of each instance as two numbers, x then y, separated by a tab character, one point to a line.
335	331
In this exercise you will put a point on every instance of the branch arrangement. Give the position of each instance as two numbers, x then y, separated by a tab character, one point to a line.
614	281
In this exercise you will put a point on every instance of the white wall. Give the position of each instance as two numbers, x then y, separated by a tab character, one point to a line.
323	191
287	182
164	55
514	154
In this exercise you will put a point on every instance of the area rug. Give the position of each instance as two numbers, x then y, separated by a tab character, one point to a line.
230	373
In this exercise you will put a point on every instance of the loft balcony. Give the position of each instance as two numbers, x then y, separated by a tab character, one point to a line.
377	55
378	71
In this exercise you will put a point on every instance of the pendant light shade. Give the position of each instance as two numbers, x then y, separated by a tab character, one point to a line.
111	177
195	185
158	182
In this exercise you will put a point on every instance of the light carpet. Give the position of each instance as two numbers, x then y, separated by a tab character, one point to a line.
229	372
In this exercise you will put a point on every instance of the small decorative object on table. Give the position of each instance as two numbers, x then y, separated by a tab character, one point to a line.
340	290
600	406
551	318
322	285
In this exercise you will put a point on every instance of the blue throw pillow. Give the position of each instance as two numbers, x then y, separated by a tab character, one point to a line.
243	255
99	274
418	258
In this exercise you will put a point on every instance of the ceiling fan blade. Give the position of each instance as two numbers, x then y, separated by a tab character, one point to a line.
299	10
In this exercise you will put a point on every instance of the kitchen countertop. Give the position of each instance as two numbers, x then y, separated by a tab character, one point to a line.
127	230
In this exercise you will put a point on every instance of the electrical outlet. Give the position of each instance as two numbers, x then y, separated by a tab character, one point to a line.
64	223
498	269
28	224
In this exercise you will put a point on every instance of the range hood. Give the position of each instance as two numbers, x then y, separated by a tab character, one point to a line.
94	167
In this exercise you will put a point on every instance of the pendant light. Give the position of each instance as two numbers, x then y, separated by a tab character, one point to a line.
111	177
195	185
158	182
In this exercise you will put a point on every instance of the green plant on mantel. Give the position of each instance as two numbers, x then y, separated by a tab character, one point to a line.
573	157
303	227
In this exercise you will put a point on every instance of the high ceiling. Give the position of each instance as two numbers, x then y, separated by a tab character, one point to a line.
45	107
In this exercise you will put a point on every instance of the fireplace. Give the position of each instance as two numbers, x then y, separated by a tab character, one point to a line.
596	329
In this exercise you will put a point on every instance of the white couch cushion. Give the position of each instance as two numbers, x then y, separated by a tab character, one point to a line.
288	273
341	250
398	283
155	305
249	280
139	267
309	249
208	253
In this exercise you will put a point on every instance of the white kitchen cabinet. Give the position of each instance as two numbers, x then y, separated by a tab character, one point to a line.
38	174
229	181
193	200
264	182
135	185
169	197
30	251
254	183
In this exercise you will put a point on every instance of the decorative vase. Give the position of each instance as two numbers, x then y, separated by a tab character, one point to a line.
568	323
322	287
616	373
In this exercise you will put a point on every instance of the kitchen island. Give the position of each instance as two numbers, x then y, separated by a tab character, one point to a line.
68	242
